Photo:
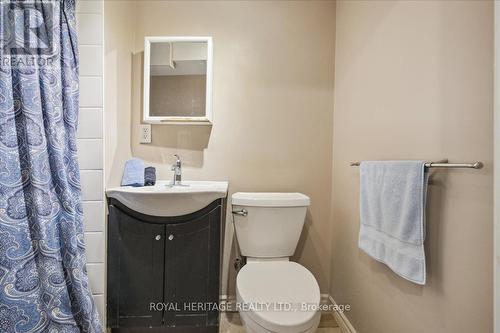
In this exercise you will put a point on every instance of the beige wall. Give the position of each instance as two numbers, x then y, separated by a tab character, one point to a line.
119	35
272	102
414	80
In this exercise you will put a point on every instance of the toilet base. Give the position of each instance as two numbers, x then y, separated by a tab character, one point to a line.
252	327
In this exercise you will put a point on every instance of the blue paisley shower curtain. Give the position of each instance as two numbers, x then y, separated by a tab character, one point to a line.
43	279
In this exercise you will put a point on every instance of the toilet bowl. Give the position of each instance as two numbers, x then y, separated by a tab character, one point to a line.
277	296
273	294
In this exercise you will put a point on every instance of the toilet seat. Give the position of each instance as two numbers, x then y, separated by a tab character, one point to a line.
263	288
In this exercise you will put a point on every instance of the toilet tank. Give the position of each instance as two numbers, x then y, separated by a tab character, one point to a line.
272	224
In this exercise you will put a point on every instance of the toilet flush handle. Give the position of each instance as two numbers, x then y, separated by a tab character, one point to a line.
241	212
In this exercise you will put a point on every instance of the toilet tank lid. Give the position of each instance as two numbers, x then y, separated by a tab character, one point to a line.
270	199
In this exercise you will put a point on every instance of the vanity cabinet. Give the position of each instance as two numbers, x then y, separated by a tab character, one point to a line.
163	272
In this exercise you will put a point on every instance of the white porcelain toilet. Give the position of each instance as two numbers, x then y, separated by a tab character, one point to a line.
273	294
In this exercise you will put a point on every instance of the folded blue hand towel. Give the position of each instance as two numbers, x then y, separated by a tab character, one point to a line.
392	215
149	176
133	175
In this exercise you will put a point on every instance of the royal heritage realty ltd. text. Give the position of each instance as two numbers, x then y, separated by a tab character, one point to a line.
238	306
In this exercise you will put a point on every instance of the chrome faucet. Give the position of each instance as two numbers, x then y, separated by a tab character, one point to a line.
177	169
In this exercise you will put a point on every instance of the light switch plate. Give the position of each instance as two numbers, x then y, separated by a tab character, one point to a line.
145	133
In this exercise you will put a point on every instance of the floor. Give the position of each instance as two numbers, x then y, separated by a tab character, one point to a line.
230	323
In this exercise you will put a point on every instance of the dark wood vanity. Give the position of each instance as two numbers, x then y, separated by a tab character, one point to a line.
164	272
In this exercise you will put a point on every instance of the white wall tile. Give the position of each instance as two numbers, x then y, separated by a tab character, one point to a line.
92	188
90	143
89	153
90	123
90	92
94	247
99	303
96	277
90	60
89	29
89	6
93	215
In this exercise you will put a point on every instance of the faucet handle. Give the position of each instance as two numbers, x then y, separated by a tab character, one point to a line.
176	167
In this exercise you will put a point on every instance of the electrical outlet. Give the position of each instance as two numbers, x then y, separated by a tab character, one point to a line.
145	133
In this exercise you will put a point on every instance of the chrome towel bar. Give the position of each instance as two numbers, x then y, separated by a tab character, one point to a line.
444	164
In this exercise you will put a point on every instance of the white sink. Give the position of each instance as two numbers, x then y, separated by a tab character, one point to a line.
166	200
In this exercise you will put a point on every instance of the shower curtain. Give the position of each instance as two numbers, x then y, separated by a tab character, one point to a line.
43	279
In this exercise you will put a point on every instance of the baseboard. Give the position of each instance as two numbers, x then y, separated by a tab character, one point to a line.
344	323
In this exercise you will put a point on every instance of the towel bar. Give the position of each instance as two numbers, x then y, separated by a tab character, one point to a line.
444	164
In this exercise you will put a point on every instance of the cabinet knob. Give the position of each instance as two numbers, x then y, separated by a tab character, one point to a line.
158	237
170	237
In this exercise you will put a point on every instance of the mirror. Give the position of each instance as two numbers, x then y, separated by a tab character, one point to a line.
178	80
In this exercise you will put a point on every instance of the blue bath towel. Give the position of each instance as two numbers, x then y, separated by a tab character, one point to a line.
392	214
133	175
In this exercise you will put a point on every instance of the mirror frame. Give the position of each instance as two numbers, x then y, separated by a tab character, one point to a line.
147	118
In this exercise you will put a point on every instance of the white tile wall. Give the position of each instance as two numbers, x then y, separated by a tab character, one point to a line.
90	123
91	181
96	277
90	29
94	245
91	60
90	91
87	156
90	144
89	6
99	302
93	217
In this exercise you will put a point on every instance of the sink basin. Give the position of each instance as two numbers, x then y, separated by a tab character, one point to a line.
166	200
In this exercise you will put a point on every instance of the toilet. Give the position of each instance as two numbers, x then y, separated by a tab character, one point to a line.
273	293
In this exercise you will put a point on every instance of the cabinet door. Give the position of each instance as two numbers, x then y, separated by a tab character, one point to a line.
192	270
135	271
